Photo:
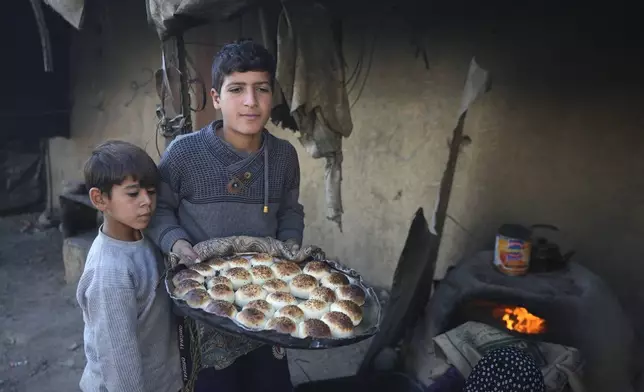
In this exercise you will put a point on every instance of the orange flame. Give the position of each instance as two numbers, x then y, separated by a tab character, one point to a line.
520	320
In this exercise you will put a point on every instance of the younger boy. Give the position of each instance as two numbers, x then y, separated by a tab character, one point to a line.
233	178
130	344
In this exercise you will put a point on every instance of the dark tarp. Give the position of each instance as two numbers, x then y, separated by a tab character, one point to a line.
22	175
169	17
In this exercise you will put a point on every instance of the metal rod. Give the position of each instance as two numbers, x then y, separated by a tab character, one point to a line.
44	35
185	88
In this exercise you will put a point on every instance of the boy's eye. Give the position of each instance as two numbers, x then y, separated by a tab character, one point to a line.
264	89
151	191
133	194
235	90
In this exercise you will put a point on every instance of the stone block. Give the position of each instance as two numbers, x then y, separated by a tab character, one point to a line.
75	251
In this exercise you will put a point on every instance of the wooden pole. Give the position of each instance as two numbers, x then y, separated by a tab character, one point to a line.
175	57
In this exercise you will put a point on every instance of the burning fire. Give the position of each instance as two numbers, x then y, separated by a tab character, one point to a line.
520	320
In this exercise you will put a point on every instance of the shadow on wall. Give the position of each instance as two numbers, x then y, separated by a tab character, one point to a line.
559	137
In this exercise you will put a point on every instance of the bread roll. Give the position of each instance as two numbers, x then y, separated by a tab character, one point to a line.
314	308
239	276
222	292
221	308
218	264
262	259
292	312
302	285
197	298
352	293
251	318
262	305
340	324
204	269
249	292
187	274
282	325
317	269
239	262
323	294
286	270
184	286
334	281
278	300
314	328
261	274
219	280
276	285
349	308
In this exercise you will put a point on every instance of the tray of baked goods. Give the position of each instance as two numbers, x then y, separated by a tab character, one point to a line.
309	304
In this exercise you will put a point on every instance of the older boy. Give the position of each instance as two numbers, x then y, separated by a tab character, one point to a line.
233	178
130	343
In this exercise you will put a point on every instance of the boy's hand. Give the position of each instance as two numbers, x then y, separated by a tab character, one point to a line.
184	248
292	245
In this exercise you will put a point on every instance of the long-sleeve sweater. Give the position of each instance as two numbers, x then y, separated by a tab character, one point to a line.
210	190
130	342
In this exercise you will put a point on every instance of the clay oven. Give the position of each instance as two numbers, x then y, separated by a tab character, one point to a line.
570	306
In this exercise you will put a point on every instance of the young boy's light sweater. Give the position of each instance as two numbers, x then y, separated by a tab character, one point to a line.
130	343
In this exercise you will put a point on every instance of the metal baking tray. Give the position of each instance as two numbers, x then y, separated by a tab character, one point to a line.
370	325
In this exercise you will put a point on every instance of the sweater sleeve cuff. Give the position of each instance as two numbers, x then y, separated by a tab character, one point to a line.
171	236
290	234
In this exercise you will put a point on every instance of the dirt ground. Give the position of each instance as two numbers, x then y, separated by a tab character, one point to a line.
41	326
41	332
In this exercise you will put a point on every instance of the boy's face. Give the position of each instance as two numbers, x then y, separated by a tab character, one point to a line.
245	101
129	204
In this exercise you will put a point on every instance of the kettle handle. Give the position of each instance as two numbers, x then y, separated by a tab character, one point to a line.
566	257
544	226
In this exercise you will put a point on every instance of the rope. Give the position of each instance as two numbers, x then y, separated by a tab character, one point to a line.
195	355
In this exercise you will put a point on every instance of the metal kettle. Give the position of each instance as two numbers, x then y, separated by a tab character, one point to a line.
546	256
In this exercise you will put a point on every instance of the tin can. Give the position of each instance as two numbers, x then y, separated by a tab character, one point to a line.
512	249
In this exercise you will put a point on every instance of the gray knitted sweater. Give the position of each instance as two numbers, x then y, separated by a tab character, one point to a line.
130	342
210	190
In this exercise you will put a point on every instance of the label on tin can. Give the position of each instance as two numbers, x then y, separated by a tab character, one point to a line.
511	255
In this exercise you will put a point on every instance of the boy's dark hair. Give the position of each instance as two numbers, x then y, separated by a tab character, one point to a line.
241	56
112	162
